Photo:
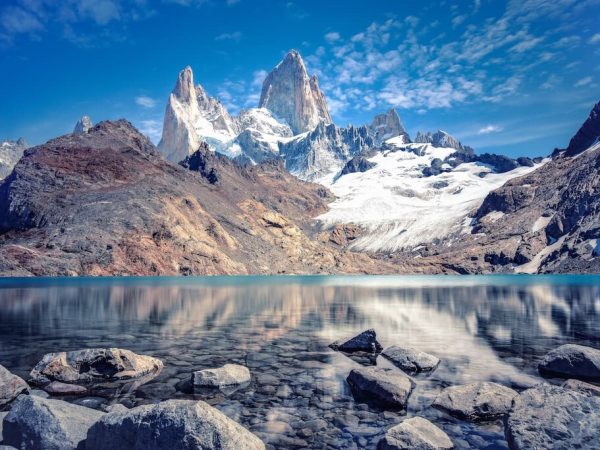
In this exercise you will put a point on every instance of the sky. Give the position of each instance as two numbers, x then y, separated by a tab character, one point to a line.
515	77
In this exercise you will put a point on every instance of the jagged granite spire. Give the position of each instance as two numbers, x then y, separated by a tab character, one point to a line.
388	125
587	135
291	95
83	125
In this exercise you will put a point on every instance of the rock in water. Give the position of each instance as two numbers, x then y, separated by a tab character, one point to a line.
388	125
11	386
415	433
572	361
170	425
228	375
96	364
476	401
410	360
364	342
36	423
290	94
548	417
386	387
83	125
582	387
58	388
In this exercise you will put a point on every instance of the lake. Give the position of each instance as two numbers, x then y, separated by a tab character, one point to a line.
484	328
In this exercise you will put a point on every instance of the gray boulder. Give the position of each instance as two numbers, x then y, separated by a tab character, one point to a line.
415	433
170	425
364	342
35	423
387	387
228	375
476	401
551	417
572	361
410	359
93	365
58	388
582	386
11	386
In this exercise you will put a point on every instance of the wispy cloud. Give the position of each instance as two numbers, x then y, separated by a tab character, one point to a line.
151	128
489	129
583	82
595	38
332	37
146	102
233	36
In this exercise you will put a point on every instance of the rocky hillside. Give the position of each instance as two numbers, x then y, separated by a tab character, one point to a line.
10	153
107	203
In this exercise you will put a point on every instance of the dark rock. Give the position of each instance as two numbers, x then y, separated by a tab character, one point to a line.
526	162
170	425
415	433
364	342
410	359
549	417
500	163
587	135
385	387
357	164
572	361
476	401
11	386
35	423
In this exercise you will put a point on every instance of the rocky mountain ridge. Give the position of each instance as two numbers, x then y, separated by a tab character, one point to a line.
10	153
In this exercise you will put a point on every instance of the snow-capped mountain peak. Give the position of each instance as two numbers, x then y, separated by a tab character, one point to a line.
388	125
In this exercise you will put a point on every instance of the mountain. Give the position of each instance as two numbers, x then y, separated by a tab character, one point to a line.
83	125
10	153
440	139
386	126
291	95
587	135
107	203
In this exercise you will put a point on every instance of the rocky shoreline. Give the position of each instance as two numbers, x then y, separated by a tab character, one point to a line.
542	416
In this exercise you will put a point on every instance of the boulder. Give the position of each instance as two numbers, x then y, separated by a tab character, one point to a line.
93	365
552	417
58	388
170	425
36	423
410	359
387	387
572	361
582	386
364	342
228	375
476	401
11	386
415	433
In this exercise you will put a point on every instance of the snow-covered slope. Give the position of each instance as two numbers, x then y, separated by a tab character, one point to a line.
400	208
10	153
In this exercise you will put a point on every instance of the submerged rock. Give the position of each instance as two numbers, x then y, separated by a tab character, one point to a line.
476	401
551	417
415	433
36	423
228	375
170	425
410	360
11	386
364	342
582	386
386	387
572	361
91	365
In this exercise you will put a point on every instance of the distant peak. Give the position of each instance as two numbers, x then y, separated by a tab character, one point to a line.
83	125
184	88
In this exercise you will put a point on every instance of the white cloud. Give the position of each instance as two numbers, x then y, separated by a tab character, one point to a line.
100	11
595	38
146	102
332	37
17	20
151	128
458	20
258	77
235	36
583	82
526	44
489	129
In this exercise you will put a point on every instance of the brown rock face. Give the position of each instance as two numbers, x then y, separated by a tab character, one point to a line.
106	203
290	94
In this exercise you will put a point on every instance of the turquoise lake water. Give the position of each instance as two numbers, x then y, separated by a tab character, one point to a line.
484	328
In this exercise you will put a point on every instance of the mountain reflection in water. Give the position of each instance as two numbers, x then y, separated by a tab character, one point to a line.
483	328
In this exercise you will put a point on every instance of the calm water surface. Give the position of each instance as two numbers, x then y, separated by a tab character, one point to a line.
483	328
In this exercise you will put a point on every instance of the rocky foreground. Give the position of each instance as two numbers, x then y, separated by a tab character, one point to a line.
543	416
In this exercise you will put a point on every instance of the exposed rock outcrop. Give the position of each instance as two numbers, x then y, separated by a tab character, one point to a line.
10	153
385	387
363	342
11	386
410	359
83	125
388	125
476	401
572	361
172	424
415	433
291	95
587	135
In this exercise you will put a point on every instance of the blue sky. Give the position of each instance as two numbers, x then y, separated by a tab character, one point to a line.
515	77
